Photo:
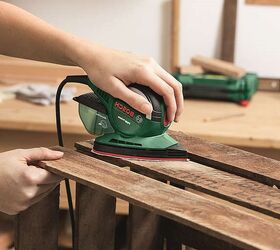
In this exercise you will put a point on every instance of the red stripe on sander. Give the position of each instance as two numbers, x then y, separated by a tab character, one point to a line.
138	157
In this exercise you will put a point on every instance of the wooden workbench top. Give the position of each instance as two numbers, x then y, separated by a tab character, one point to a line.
254	126
257	125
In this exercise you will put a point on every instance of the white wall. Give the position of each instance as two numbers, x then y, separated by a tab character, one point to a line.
143	26
258	39
201	23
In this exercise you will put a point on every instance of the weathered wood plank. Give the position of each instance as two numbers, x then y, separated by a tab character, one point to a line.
173	242
229	224
144	227
230	187
192	238
230	159
95	219
37	227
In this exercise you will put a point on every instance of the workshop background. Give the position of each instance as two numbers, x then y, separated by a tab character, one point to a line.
148	29
145	27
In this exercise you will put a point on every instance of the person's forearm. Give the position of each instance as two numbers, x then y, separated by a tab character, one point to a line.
26	36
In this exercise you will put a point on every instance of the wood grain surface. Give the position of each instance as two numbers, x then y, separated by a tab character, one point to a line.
144	229
144	226
95	219
37	227
220	221
239	190
231	159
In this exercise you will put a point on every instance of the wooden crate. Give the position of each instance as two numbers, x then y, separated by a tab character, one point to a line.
223	198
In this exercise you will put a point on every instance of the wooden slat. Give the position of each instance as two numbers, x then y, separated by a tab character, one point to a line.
231	159
218	66
144	227
263	2
220	221
192	238
37	227
233	188
6	231
95	219
172	240
191	69
229	30
175	35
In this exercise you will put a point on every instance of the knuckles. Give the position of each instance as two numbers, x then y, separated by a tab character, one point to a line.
140	71
170	91
179	87
144	67
44	152
150	61
28	178
26	197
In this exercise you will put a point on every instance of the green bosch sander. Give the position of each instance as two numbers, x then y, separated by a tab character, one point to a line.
121	131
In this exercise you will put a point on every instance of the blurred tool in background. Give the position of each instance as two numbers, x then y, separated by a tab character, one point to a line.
216	79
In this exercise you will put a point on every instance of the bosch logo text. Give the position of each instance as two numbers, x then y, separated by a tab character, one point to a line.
124	109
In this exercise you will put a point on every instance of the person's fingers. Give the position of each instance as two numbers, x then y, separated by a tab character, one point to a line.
38	176
177	87
153	81
40	154
121	91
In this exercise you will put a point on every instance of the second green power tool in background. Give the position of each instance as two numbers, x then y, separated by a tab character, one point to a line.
219	87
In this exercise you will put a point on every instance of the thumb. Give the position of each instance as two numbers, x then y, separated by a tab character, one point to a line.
135	100
40	154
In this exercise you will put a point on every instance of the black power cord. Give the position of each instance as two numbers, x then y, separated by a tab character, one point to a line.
83	79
